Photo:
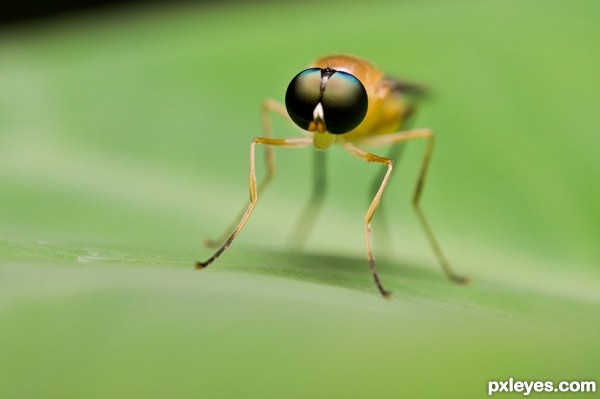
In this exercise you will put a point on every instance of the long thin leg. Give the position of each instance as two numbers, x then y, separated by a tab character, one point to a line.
268	107
423	220
310	212
354	150
383	231
289	143
427	135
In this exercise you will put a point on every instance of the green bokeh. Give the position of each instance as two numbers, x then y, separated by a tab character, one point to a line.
124	142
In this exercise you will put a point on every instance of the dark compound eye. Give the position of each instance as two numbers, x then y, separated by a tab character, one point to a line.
344	103
303	95
343	97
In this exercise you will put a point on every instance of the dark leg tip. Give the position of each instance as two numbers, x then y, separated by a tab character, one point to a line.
386	294
200	265
464	280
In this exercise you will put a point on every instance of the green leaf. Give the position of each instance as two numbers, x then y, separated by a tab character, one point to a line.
124	143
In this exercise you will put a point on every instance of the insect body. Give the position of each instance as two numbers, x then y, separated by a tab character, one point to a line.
347	101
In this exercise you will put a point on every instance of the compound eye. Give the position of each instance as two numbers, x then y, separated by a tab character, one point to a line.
344	103
303	95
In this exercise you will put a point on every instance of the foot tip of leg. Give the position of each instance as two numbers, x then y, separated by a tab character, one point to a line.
464	280
200	265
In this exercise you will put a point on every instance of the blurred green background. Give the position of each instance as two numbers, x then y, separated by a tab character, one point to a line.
124	142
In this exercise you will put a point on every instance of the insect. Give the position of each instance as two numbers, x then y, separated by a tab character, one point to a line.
347	101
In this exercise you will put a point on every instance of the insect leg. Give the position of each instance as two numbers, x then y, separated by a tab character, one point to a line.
268	107
383	231
428	136
437	250
413	93
356	151
268	142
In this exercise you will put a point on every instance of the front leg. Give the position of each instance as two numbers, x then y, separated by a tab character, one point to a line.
289	143
356	151
269	107
427	135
